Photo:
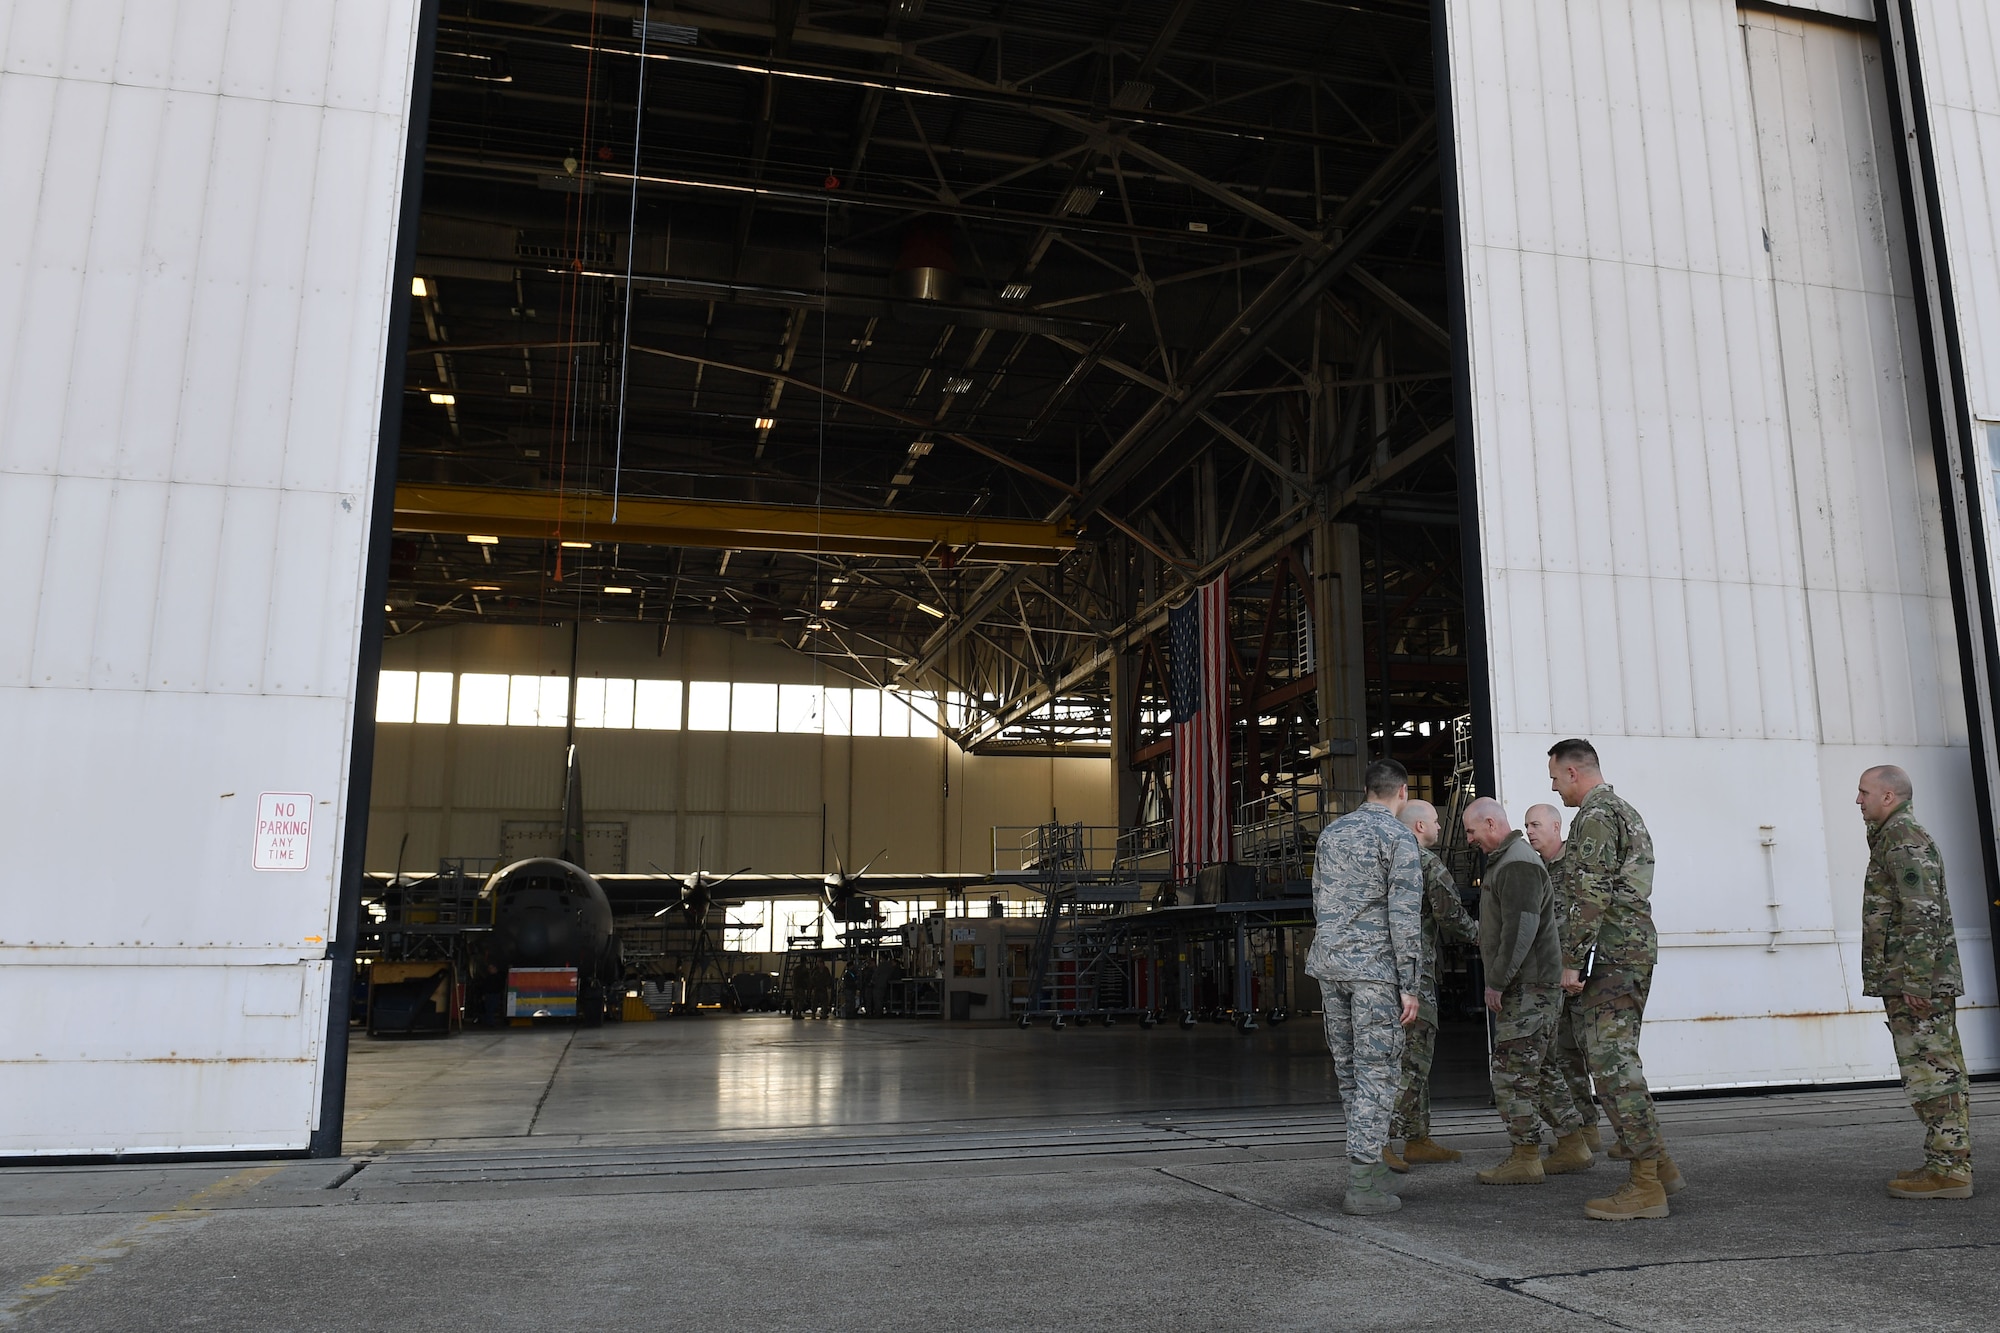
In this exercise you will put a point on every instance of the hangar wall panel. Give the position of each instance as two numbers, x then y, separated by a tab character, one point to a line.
198	232
1702	454
728	799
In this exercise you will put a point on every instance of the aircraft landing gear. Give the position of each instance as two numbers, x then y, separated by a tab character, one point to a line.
1187	1021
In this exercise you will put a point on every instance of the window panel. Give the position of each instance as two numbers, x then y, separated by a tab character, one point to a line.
589	702
618	703
895	714
923	714
396	696
753	706
656	705
839	705
482	701
553	710
708	705
801	708
867	713
434	696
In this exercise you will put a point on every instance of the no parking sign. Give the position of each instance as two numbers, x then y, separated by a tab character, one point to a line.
284	831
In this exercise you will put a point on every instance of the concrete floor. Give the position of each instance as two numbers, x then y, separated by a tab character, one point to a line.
1216	1209
764	1073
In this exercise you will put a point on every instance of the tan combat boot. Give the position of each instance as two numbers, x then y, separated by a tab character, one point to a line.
1639	1196
1393	1160
1426	1150
1593	1138
1571	1153
1522	1167
1671	1179
1933	1184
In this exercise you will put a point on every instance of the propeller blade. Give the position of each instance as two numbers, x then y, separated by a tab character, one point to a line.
731	875
871	861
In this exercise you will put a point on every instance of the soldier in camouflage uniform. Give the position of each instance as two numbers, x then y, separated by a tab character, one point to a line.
1443	916
1609	949
1909	957
1543	829
1367	884
1521	950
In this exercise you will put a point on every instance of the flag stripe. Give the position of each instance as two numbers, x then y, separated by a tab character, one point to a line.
1202	831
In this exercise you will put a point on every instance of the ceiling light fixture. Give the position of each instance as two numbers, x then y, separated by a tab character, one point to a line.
958	384
486	587
930	610
1014	291
830	604
444	399
482	540
417	287
577	546
766	423
617	591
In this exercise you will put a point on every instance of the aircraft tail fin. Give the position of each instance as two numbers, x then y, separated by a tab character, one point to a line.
570	847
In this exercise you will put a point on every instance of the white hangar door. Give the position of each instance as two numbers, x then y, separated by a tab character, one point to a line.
197	232
1702	454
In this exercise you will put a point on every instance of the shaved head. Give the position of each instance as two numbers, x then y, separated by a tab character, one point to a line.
1485	807
1892	778
1882	790
1544	829
1422	819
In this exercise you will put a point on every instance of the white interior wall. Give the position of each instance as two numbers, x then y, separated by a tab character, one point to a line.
1702	455
729	799
196	243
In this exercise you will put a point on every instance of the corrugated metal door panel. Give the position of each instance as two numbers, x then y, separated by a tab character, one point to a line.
1523	40
156	373
1574	409
121	641
778	844
299	64
109	293
396	755
775	773
428	751
27	505
250	54
275	278
184	615
706	766
81	516
630	769
511	768
244	586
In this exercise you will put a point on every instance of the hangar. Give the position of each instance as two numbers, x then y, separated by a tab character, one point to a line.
770	436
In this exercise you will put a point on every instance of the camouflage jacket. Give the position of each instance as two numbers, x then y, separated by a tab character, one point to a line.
1518	936
1444	915
1907	944
1609	859
1563	883
1368	887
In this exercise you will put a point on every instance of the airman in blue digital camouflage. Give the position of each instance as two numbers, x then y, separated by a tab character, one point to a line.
1366	954
1909	957
1444	917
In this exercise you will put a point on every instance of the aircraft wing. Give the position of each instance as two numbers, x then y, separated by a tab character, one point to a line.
637	887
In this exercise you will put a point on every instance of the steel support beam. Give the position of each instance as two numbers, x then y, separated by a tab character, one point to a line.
724	525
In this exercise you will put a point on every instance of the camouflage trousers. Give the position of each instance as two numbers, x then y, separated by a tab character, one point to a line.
1364	1032
1570	1064
1526	1085
1608	1013
1933	1066
1413	1104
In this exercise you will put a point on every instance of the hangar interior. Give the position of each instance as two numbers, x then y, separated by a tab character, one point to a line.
812	413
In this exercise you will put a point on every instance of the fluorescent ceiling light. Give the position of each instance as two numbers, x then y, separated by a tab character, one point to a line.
829	604
616	590
766	423
838	578
930	610
483	540
417	287
1014	291
1198	227
486	587
443	399
577	546
958	384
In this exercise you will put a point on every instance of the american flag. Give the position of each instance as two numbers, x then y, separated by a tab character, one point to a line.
1197	634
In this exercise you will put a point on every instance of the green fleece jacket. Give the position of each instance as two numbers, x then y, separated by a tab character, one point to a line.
1518	939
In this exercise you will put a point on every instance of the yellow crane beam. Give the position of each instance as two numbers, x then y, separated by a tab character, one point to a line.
726	525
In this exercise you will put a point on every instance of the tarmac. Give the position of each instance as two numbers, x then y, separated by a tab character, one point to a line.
750	1173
